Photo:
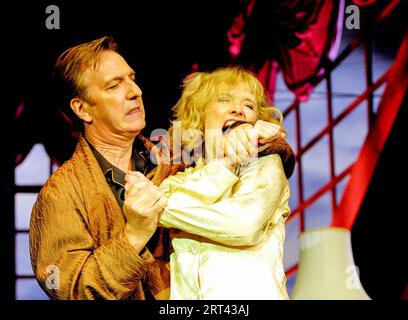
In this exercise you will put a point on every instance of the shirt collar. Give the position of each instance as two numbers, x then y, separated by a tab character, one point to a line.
140	162
108	169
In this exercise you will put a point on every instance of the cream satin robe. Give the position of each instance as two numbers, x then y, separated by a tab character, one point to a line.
228	230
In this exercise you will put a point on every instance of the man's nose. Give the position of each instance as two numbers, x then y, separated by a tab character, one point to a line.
134	90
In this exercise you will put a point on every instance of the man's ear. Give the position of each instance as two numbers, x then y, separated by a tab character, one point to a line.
80	108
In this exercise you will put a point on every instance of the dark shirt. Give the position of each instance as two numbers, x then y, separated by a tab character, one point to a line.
115	177
116	181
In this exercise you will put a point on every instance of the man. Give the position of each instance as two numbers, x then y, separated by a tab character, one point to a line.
83	244
86	240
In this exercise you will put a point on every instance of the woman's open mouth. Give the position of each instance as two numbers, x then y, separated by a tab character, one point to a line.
230	124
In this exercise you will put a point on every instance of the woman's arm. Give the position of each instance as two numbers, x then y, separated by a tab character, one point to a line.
236	215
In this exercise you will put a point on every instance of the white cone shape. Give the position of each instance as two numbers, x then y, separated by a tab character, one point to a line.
326	267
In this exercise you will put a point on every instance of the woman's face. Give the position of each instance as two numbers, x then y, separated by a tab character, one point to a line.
230	105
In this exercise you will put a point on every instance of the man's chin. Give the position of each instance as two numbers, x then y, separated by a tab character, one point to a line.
137	127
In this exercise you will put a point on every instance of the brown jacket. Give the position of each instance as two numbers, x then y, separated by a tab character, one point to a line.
77	245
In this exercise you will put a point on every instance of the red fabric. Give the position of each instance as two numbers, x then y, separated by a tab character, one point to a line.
33	125
299	34
363	3
236	34
302	63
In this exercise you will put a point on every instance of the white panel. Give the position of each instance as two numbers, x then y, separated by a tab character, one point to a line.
23	205
23	263
35	168
29	289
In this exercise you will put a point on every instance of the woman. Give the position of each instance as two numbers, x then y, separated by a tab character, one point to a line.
226	214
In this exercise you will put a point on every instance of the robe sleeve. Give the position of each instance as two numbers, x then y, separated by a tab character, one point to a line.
66	261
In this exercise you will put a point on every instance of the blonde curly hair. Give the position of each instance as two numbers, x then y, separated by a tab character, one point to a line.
199	90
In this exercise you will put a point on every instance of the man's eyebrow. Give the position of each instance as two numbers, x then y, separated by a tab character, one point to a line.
119	78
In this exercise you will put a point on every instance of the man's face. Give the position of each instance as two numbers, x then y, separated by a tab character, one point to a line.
114	99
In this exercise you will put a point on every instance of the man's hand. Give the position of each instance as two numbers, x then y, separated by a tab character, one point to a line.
142	207
268	131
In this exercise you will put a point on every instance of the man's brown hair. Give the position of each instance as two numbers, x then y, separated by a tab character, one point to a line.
74	61
68	74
